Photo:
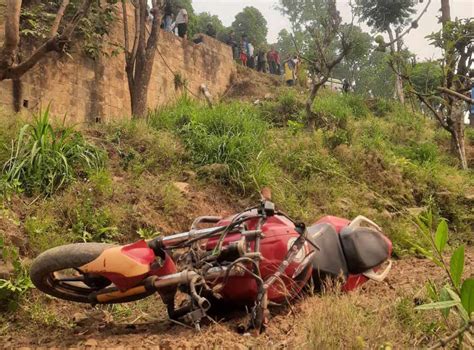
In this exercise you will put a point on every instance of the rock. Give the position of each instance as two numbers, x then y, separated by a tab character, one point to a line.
80	319
91	342
6	270
182	187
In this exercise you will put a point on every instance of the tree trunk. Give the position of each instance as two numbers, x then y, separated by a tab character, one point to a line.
139	61
310	115
457	133
395	49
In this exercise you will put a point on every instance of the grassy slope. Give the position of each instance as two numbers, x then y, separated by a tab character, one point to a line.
374	159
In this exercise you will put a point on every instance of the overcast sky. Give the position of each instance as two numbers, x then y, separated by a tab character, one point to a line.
227	9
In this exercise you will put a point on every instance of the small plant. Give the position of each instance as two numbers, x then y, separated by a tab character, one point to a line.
44	158
147	233
457	294
179	81
13	288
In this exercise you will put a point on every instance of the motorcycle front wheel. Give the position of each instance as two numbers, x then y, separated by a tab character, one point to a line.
57	272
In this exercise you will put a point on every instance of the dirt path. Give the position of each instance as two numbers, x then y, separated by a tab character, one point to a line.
98	328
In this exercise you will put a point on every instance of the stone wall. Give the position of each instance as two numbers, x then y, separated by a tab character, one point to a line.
88	90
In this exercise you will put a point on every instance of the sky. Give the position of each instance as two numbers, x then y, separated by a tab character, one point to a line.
415	40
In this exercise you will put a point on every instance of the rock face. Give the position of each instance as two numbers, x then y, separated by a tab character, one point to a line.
88	90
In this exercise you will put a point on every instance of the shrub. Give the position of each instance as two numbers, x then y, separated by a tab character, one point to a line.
44	158
332	110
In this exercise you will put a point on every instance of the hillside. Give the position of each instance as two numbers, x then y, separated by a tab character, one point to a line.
374	158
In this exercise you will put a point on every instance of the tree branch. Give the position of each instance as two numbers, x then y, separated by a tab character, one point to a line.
125	29
55	43
455	94
59	17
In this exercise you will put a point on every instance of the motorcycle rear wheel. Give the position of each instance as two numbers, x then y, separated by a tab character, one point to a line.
75	286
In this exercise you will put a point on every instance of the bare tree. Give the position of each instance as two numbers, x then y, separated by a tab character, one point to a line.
140	53
10	68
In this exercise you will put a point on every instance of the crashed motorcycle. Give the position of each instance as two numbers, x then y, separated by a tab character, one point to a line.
256	258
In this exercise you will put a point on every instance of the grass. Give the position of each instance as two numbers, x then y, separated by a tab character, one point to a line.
376	159
44	158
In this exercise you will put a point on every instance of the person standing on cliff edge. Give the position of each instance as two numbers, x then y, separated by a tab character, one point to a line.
182	20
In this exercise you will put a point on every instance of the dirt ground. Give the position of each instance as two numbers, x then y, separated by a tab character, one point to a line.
89	327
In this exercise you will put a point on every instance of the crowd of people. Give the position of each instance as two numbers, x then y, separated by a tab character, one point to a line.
243	50
263	61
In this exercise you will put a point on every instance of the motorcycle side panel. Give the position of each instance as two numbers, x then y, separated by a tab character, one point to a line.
125	266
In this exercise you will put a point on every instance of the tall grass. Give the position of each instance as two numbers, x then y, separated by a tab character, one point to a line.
230	134
44	158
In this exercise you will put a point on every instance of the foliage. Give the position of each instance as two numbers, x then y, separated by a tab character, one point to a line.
203	19
426	76
45	158
12	289
251	22
37	17
458	293
381	14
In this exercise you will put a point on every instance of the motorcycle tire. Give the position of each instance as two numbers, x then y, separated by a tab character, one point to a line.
67	257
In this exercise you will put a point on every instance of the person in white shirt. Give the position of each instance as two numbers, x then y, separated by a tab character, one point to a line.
251	58
182	22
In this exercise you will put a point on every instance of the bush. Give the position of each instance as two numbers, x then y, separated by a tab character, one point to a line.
44	158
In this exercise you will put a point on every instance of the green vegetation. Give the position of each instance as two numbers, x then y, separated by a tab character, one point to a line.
374	158
44	158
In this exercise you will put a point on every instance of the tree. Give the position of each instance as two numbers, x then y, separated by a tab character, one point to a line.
353	64
329	42
447	102
389	17
140	52
60	34
286	42
375	78
251	22
203	19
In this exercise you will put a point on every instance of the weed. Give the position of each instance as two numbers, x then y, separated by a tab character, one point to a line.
44	158
13	288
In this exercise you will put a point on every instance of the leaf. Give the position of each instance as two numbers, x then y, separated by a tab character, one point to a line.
467	295
444	296
457	265
438	305
441	236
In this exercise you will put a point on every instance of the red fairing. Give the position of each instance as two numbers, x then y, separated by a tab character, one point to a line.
338	223
279	235
140	252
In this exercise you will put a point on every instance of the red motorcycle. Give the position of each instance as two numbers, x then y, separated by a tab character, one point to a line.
256	258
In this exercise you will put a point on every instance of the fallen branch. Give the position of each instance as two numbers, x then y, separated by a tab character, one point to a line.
445	341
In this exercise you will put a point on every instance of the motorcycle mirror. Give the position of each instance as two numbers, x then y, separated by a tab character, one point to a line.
266	194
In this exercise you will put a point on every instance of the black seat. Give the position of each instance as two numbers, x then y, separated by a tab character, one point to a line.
364	248
329	261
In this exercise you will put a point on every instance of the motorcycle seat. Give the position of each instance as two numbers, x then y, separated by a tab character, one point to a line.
364	248
329	261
